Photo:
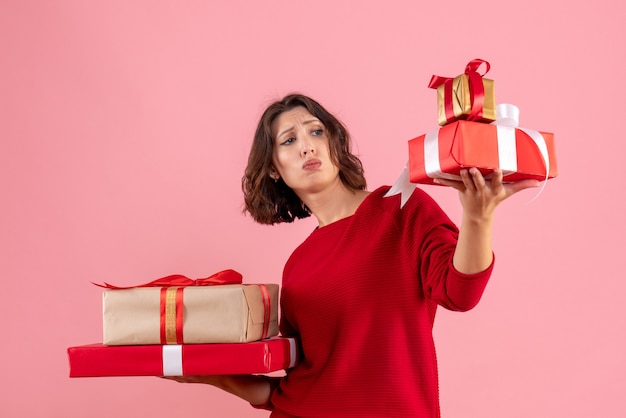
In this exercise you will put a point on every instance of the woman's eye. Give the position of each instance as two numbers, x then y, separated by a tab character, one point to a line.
317	132
288	141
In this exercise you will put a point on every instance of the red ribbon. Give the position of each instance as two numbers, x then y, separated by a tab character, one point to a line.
222	277
477	90
172	315
267	310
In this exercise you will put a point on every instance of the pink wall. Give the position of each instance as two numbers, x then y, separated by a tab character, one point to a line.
124	130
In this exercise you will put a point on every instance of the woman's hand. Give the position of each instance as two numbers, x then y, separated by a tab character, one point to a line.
209	380
479	197
255	389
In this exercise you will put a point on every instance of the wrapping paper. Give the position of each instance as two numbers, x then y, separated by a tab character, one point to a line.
464	144
468	96
230	313
264	356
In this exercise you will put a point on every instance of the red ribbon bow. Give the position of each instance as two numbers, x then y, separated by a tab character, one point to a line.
222	277
477	90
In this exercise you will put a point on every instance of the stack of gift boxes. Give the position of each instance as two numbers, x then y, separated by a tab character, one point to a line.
475	132
176	326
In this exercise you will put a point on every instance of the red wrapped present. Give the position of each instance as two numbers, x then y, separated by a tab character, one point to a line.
468	96
520	153
178	310
264	356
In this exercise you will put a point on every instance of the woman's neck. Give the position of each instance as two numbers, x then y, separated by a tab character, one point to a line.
334	203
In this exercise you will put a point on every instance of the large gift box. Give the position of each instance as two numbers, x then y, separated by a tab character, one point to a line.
520	153
264	356
468	96
178	310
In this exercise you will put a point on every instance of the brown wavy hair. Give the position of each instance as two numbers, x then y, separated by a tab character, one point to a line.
270	202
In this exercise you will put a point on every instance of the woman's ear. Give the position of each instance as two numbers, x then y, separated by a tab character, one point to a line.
274	174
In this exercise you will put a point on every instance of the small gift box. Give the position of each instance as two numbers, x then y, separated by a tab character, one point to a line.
468	96
520	153
264	356
178	310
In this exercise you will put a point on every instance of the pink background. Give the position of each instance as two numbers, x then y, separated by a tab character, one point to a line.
125	128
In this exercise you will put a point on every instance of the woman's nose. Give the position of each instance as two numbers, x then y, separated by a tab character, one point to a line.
307	148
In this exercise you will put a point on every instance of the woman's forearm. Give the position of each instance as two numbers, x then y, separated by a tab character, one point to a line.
474	252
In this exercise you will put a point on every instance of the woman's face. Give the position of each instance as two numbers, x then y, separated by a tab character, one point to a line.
301	152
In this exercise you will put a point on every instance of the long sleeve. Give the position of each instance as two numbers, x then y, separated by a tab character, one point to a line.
430	238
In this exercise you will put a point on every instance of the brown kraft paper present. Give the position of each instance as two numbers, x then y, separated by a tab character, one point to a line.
230	313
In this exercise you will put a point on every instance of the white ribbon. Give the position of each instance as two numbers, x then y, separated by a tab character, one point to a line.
507	117
507	151
431	157
402	186
292	352
172	360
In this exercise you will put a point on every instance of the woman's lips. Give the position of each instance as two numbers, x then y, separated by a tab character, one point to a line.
311	164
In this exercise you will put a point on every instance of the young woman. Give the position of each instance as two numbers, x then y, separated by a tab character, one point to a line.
362	290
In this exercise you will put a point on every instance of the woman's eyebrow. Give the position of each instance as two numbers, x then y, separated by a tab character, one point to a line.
306	122
285	131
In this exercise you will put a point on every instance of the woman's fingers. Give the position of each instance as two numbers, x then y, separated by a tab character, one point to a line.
467	180
472	180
